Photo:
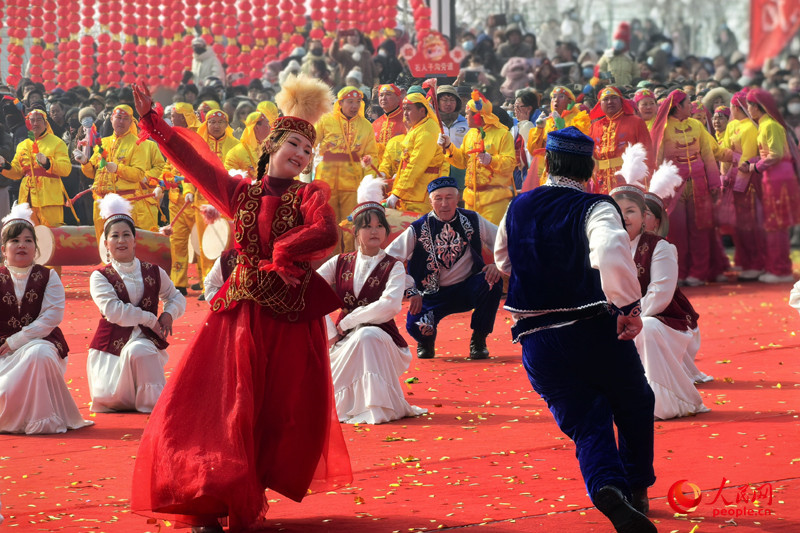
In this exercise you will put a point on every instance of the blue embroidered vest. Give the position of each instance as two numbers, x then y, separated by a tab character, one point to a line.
549	252
441	244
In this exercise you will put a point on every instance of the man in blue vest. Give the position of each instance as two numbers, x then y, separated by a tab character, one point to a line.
443	254
574	296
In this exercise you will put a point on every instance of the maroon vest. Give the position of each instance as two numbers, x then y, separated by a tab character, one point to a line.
111	337
679	314
17	315
227	262
370	292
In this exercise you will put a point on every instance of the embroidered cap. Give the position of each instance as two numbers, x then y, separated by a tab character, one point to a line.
440	183
114	207
369	196
19	213
570	141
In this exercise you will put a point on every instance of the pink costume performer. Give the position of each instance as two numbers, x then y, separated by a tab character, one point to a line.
778	162
687	143
250	406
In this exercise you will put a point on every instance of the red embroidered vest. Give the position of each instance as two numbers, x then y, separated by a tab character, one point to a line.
110	337
679	314
370	292
16	315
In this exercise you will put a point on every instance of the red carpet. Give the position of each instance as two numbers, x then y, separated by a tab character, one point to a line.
488	455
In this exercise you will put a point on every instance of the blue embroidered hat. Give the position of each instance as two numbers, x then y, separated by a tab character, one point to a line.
571	141
439	183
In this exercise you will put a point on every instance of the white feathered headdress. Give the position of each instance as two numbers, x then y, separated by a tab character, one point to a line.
665	182
370	195
634	164
19	213
114	207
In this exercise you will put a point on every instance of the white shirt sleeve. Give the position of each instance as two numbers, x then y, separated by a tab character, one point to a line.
50	316
610	253
213	282
403	246
488	233
501	260
328	270
385	307
663	279
174	302
113	309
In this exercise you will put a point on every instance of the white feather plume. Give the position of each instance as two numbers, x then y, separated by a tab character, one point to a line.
114	204
634	164
665	180
19	211
371	189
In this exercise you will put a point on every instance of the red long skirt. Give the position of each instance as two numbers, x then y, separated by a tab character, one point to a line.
249	407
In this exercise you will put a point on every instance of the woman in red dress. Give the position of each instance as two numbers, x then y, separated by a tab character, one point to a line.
250	405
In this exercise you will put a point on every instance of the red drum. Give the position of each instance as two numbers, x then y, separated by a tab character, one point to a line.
399	221
66	245
217	238
150	246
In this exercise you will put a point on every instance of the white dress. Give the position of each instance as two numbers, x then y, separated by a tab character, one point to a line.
134	379
667	354
34	398
367	364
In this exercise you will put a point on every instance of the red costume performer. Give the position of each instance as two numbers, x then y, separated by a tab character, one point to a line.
390	124
615	126
686	142
250	405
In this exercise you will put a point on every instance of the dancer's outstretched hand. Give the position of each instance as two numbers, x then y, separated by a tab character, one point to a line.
142	98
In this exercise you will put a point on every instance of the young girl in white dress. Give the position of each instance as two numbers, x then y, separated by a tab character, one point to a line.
127	355
669	334
34	398
367	352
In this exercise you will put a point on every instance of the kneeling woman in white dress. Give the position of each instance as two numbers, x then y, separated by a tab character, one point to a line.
127	355
34	398
367	353
669	323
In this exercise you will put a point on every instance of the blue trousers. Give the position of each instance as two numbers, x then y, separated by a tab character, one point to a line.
471	294
592	381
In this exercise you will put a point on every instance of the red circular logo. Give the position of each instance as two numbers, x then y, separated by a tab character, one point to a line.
680	502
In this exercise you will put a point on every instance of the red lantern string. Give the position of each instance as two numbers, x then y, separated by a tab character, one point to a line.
50	39
129	49
155	70
114	10
390	18
229	31
422	18
329	22
287	28
273	33
87	61
142	52
15	20
246	40
217	8
36	18
299	21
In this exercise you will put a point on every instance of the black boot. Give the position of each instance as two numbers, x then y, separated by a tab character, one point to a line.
640	501
426	348
477	346
195	287
181	290
611	502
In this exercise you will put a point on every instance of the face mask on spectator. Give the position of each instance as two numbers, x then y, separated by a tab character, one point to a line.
469	46
619	45
666	47
794	108
87	122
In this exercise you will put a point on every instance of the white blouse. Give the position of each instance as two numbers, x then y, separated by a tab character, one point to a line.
663	277
52	312
126	315
381	310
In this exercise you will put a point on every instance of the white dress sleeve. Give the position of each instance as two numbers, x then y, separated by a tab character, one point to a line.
50	316
794	296
403	246
663	279
174	302
610	253
501	260
385	307
328	270
113	309
213	282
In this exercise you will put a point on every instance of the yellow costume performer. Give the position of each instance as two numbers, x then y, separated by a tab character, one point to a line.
124	172
390	161
182	226
244	156
221	146
41	183
342	142
488	155
421	160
